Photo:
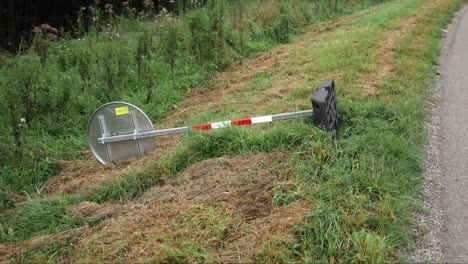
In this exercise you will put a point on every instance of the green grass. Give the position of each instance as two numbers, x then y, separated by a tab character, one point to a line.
366	194
260	82
50	90
195	228
362	182
206	145
53	252
38	217
133	184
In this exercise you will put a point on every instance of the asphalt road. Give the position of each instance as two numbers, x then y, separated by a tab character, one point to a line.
454	145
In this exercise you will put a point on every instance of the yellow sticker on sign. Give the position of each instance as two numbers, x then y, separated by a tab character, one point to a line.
123	110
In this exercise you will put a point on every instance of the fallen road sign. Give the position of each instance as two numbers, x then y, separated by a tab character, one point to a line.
118	131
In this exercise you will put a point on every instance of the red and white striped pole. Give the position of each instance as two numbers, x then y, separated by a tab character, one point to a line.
119	131
207	126
252	120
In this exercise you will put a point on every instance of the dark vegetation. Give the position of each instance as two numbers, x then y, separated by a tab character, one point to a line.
19	17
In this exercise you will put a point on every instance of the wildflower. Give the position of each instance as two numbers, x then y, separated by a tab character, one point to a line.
53	37
46	26
22	122
109	8
149	5
37	30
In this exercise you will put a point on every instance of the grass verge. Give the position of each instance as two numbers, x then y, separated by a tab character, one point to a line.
363	183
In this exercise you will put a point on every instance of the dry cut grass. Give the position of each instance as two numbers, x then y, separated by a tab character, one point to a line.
219	210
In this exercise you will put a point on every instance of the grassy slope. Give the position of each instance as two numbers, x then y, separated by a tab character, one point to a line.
51	94
359	188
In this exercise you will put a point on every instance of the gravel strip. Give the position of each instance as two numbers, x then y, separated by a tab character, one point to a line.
431	247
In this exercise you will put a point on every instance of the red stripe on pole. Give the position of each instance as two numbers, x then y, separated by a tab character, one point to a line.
202	127
241	122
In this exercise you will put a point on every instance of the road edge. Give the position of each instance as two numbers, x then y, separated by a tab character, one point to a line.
431	247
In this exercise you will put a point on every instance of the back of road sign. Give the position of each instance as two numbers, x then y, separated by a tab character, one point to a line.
119	118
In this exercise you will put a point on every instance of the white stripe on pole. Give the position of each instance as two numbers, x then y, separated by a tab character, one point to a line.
261	119
216	125
220	124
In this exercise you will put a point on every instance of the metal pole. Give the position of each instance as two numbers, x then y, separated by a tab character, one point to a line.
208	126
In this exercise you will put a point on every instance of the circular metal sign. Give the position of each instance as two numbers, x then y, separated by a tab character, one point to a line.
119	118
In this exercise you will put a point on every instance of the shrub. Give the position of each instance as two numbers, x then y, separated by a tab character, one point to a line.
283	27
201	36
171	44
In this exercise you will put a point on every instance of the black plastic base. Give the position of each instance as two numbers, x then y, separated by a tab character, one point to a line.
324	106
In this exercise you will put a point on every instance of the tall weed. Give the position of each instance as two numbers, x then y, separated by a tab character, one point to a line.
171	44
